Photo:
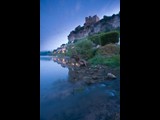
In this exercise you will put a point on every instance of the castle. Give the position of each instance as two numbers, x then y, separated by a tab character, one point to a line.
91	26
81	32
94	25
91	20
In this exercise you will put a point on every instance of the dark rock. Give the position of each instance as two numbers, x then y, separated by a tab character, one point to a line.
91	73
83	63
86	78
89	82
94	77
95	70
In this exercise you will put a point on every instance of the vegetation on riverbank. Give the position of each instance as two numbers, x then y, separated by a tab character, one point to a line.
83	48
99	49
113	61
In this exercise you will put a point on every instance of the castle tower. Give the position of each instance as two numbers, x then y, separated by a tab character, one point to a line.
91	20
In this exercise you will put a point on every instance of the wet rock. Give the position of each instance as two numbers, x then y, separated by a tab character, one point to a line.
94	77
110	92
86	78
95	70
91	73
89	82
111	76
102	85
101	72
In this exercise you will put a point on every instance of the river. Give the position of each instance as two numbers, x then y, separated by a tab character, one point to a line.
61	99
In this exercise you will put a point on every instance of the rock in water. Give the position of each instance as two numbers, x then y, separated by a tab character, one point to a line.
102	85
111	76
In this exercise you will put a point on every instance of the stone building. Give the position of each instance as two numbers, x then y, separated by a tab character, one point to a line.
91	20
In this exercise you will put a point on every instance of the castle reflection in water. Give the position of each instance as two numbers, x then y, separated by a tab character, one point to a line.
73	67
66	62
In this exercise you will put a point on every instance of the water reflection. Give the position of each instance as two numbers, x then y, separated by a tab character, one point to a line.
66	62
46	58
64	95
75	72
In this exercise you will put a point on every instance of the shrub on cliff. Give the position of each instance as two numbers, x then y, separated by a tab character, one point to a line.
109	37
105	38
109	50
95	39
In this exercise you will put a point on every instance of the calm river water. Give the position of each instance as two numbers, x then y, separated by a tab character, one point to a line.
61	99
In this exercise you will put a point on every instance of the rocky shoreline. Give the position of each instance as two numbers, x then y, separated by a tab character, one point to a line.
92	74
87	74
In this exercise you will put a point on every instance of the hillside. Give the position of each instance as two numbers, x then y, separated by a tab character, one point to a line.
94	25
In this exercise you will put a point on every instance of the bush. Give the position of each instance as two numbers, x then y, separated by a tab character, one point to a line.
113	61
95	39
109	37
105	38
109	49
82	48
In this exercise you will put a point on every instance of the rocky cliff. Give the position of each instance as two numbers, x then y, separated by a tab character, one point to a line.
94	25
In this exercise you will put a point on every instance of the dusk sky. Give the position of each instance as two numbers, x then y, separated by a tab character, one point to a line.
59	17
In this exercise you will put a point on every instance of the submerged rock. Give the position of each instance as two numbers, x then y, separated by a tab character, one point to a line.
90	81
102	85
110	92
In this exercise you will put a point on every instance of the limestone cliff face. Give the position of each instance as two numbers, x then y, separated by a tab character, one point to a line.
94	25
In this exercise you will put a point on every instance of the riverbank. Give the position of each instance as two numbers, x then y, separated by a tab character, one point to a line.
93	74
89	74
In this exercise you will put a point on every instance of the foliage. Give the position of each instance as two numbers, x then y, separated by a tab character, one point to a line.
69	51
82	48
109	37
113	61
105	38
109	49
95	39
